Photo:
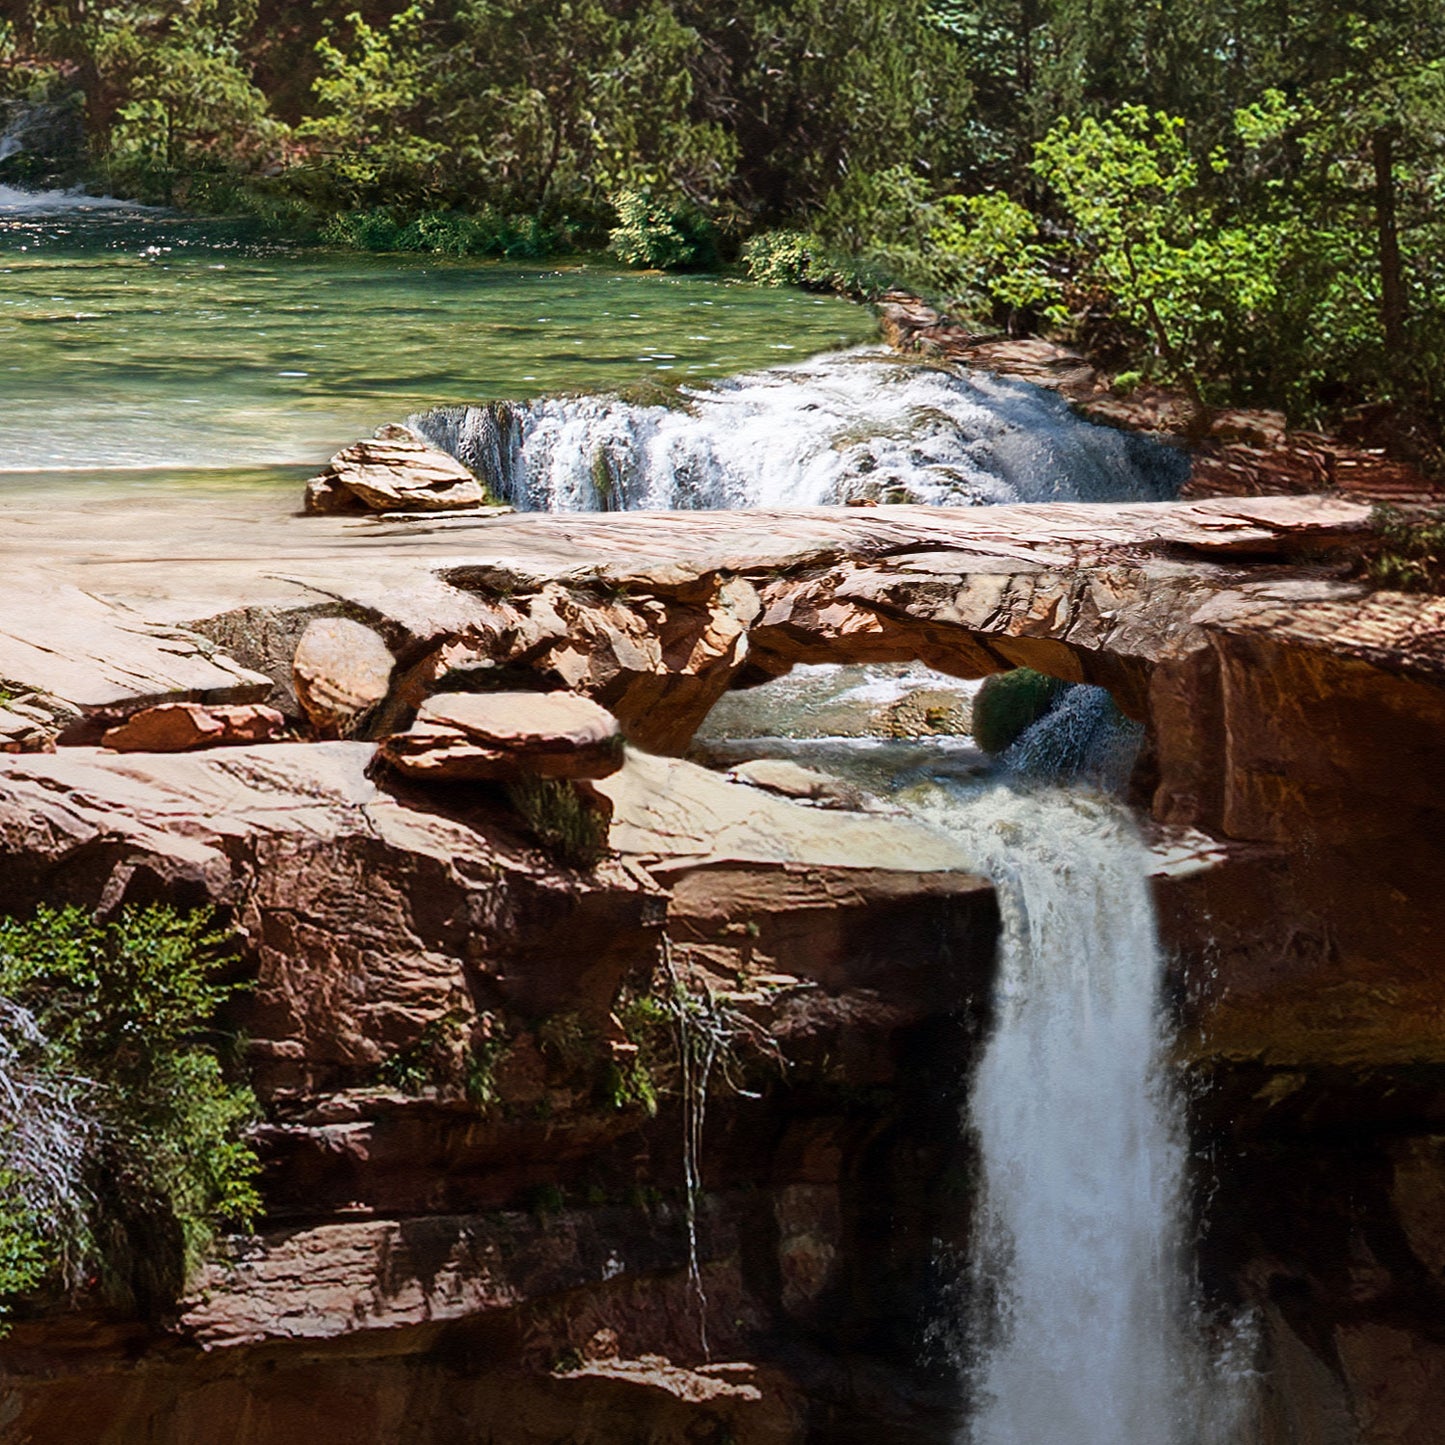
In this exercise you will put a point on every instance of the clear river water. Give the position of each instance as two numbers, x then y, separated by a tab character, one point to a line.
145	342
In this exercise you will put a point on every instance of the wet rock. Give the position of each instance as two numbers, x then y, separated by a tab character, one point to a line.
929	712
395	471
475	737
341	671
177	727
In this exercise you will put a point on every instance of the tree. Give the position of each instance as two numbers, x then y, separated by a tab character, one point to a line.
1149	238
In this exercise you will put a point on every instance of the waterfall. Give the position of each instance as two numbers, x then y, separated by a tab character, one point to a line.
838	427
1084	1329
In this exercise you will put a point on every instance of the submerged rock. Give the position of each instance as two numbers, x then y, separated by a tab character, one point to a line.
177	727
502	736
394	471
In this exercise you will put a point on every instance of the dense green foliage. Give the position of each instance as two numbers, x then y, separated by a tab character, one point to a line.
1242	199
121	1148
1408	551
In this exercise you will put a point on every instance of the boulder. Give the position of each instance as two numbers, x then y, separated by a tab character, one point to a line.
500	736
177	727
394	471
341	671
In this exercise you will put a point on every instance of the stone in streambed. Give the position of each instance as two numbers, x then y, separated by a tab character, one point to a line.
394	471
790	780
504	736
341	670
177	727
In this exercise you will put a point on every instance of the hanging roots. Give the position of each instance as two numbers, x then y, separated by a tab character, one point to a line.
707	1035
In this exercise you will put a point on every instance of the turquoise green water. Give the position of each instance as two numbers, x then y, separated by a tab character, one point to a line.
150	345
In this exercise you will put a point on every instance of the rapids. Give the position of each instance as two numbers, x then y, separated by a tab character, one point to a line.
836	427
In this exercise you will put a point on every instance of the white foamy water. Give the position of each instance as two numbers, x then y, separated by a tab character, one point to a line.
17	202
1085	1329
838	426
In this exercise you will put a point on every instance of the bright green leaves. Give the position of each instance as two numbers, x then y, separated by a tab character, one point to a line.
370	134
664	238
989	253
122	1145
1149	237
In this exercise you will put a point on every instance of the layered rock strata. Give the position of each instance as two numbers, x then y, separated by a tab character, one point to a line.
513	1256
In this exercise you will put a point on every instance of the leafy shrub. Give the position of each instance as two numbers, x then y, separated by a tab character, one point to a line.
563	819
1410	552
800	258
446	233
133	1130
984	252
652	234
1010	702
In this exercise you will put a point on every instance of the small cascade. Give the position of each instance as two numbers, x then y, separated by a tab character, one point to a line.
840	427
15	201
1084	1327
1084	738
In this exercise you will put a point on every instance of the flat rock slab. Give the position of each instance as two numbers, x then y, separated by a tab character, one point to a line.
499	736
99	656
177	727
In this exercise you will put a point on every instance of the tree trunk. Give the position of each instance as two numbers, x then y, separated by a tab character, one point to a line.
1392	284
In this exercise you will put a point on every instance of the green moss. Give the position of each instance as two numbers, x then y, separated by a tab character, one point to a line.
1010	702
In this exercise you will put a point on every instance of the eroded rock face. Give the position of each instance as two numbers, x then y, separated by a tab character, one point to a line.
496	737
404	1229
1293	718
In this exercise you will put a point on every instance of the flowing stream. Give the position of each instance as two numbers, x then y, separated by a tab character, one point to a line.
141	342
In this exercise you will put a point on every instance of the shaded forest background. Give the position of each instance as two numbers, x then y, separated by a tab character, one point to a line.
1245	198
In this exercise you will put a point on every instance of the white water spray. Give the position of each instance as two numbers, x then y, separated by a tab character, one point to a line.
840	426
1085	1330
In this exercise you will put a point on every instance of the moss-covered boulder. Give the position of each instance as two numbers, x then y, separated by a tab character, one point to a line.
1010	702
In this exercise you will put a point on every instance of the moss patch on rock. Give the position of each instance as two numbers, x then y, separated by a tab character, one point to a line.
1008	703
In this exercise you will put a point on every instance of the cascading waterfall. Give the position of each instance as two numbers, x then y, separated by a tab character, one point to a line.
1084	1328
841	426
